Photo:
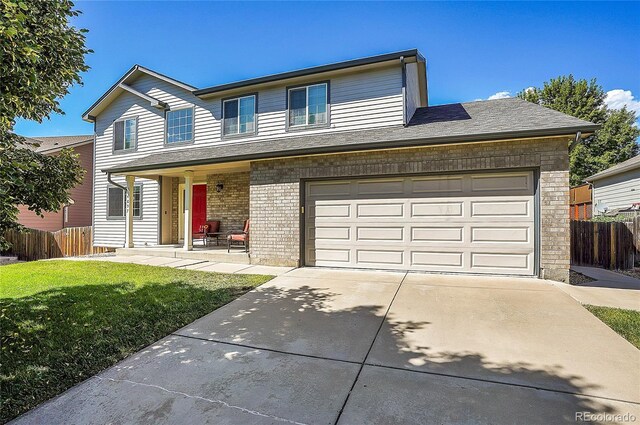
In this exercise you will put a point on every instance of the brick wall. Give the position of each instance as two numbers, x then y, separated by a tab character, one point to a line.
231	205
275	190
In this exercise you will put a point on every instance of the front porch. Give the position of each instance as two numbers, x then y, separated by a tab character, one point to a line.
217	254
187	199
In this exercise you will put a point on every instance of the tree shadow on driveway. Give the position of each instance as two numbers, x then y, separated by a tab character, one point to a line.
293	353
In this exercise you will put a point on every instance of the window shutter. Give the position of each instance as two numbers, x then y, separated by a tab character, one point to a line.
118	138
116	202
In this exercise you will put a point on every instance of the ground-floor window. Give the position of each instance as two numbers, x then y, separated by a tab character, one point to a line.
117	202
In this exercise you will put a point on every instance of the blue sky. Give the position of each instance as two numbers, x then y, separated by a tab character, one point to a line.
473	50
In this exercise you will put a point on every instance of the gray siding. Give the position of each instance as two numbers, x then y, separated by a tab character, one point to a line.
412	89
619	191
358	101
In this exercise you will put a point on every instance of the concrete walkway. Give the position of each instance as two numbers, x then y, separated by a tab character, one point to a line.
317	346
609	289
180	263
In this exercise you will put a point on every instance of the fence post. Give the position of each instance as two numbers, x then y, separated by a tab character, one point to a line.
596	234
613	260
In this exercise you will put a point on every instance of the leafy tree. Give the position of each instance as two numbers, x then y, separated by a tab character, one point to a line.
613	143
41	56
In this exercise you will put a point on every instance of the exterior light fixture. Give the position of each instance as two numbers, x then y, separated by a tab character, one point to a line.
219	187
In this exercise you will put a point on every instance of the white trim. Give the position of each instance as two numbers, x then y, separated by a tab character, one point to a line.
154	102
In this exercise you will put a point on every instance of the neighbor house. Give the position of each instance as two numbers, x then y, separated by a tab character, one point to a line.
341	165
617	189
77	213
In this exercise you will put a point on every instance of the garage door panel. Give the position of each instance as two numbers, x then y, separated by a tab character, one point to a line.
330	190
379	257
333	255
331	233
465	223
379	233
515	208
394	187
331	211
437	185
502	183
499	261
437	209
437	234
437	258
501	234
395	210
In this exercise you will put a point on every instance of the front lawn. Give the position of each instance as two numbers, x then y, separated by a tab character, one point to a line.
624	322
63	321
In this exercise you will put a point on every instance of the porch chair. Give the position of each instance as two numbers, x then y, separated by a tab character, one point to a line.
213	231
240	238
202	233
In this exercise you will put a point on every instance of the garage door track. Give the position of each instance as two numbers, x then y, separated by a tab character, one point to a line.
317	346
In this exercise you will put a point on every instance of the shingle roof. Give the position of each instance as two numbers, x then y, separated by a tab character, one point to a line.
48	144
453	123
627	165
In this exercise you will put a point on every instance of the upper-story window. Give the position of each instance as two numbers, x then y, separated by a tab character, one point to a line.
125	134
180	125
239	115
308	105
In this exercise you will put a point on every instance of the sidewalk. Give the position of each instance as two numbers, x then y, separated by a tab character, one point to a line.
609	289
181	263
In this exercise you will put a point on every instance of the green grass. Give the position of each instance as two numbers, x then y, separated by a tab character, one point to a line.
63	321
624	322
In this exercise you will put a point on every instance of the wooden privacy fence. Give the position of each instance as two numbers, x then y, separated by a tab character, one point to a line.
38	244
609	245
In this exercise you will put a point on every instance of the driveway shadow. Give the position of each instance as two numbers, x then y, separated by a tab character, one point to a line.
322	322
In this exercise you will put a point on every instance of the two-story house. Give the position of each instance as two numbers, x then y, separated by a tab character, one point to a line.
341	165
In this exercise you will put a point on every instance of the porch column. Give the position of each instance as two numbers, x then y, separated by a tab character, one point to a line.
128	241
188	216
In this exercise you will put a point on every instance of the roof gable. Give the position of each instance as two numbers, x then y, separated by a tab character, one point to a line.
122	85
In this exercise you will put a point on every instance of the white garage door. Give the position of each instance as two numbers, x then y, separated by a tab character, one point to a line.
474	223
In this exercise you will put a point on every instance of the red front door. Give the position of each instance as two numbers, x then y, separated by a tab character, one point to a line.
199	206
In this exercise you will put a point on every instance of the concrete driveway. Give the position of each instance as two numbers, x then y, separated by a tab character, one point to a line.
320	346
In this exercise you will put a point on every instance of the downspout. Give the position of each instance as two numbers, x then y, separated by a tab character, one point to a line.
116	184
575	141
